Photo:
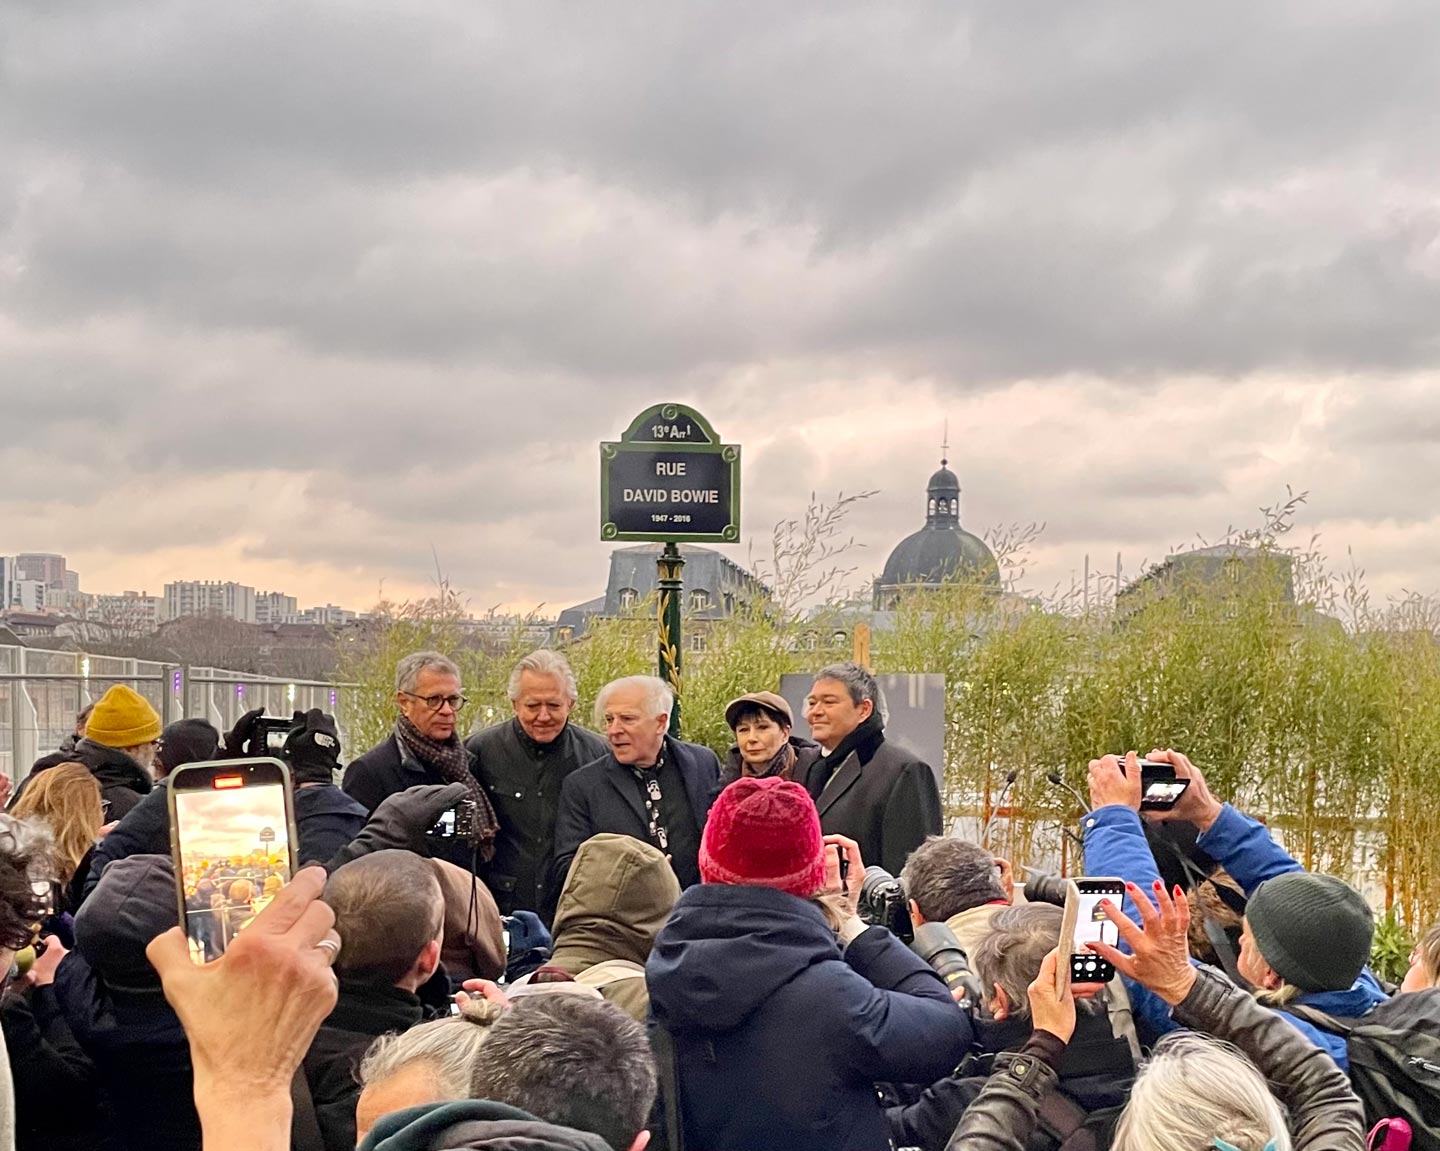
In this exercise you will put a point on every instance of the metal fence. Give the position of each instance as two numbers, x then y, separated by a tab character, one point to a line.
42	691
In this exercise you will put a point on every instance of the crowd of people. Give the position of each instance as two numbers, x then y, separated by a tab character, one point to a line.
630	941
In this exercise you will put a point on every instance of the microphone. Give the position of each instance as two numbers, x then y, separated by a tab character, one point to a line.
995	810
1056	779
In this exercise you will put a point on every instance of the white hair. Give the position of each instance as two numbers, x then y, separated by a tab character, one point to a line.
407	671
544	662
447	1046
1194	1090
658	699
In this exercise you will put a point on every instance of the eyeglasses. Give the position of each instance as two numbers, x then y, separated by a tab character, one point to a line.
436	702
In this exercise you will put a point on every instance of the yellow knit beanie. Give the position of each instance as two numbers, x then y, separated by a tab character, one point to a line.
123	718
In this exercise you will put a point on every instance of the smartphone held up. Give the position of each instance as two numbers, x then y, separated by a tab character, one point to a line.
232	839
1086	922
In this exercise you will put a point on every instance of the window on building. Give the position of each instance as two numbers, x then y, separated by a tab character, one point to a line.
697	642
812	641
838	637
699	600
629	597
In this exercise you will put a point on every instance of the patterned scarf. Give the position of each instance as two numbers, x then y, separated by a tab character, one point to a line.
450	761
649	781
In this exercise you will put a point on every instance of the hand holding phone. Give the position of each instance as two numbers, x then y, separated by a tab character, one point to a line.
232	838
1092	925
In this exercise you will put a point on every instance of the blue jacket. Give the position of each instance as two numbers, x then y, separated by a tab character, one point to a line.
1115	845
779	1037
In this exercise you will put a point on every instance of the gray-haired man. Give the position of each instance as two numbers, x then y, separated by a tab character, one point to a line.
522	762
425	749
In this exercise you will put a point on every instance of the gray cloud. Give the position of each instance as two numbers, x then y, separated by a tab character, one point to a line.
394	271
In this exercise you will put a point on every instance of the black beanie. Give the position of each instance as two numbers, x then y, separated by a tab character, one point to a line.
1314	931
187	741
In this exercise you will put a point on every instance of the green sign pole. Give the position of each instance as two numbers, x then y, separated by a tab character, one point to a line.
669	566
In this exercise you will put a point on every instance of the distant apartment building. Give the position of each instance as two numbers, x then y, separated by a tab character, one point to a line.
207	597
44	567
38	582
133	613
275	607
327	616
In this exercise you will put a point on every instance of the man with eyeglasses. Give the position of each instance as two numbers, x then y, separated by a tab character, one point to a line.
425	748
522	762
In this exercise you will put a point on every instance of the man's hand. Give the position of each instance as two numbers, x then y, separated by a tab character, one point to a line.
1110	786
5	788
1161	959
251	1014
1007	878
237	739
42	971
401	821
1197	805
1048	1011
482	989
854	871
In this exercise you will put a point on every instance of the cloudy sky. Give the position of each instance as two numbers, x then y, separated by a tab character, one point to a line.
292	293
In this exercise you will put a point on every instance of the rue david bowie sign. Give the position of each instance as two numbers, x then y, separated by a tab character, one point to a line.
670	478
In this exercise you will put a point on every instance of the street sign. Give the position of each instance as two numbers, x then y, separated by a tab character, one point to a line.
669	478
267	835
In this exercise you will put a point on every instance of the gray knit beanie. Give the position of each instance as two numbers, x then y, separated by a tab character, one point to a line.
1314	931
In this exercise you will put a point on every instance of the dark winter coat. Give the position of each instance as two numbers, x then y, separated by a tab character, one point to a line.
363	1013
387	768
112	1000
603	796
474	1125
1096	1074
879	795
807	751
779	1036
1323	1112
523	779
57	1090
123	782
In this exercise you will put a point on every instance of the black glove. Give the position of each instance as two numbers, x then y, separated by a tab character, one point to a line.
313	747
233	746
401	821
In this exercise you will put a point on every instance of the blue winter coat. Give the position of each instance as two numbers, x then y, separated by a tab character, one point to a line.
1115	845
779	1037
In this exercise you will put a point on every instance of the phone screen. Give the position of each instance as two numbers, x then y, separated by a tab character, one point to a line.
232	842
1091	925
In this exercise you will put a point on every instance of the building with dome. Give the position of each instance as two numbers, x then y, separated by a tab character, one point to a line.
939	553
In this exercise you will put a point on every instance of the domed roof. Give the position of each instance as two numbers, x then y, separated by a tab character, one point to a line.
944	481
942	550
934	554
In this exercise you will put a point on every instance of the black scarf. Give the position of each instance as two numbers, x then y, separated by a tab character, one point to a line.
781	764
863	741
449	760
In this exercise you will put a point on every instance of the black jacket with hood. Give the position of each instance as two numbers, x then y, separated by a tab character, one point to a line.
780	1037
123	782
112	1000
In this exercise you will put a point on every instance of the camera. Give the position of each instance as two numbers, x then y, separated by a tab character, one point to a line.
883	903
267	737
457	823
1042	888
936	944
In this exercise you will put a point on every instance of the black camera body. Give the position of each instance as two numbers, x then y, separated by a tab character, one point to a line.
457	823
883	903
268	736
1043	888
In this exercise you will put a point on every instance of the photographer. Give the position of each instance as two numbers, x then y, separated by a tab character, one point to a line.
1194	1094
1305	938
1095	1073
784	1009
959	884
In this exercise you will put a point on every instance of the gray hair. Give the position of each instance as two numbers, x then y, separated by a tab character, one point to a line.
1195	1090
859	683
544	662
448	1046
946	876
658	698
1011	954
407	671
572	1061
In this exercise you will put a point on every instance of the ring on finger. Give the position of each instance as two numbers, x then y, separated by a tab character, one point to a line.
332	946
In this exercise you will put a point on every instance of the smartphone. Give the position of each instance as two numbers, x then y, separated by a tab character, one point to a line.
1067	937
232	839
1091	926
1160	787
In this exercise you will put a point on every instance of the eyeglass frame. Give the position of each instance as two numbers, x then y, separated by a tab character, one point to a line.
456	702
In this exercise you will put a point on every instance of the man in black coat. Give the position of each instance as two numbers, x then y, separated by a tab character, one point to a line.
648	785
522	764
425	749
390	916
874	792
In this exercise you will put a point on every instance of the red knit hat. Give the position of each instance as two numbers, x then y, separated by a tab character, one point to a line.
764	833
